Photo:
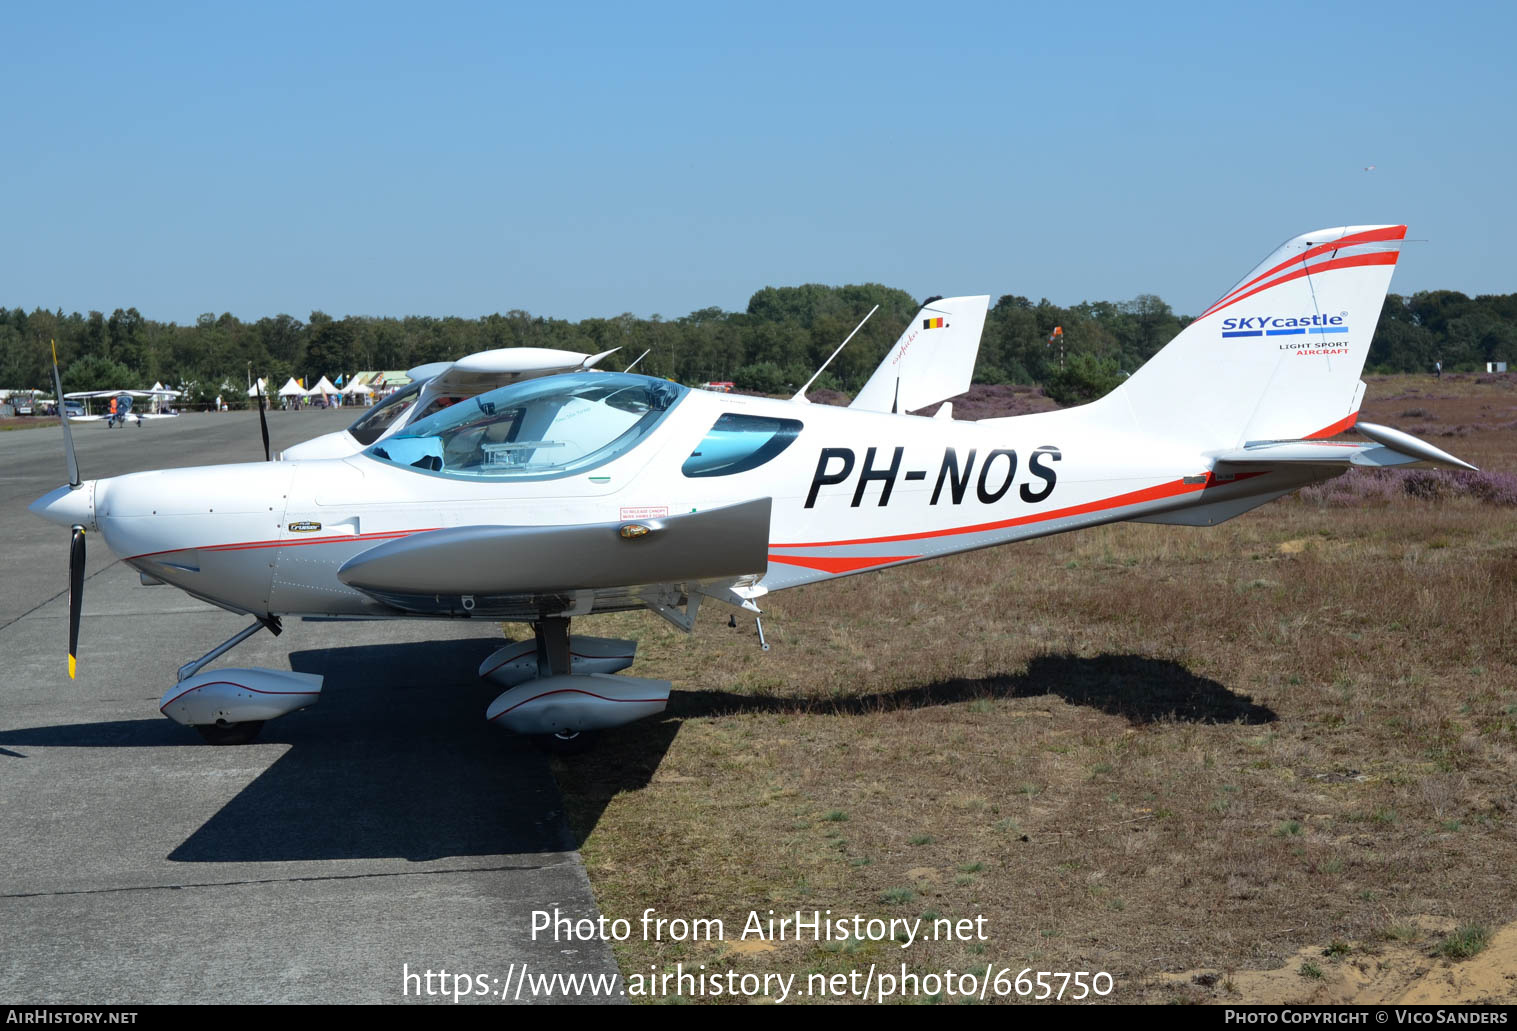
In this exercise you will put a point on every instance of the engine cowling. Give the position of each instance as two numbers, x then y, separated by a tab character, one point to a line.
239	696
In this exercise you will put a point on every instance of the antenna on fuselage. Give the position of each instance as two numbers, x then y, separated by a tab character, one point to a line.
636	360
800	395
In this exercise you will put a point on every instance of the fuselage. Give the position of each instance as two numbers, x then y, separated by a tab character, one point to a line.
851	491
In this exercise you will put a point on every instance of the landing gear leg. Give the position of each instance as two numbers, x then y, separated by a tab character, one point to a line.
221	732
189	669
553	659
552	646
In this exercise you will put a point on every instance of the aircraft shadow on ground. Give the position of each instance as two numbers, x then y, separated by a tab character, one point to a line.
396	760
1137	688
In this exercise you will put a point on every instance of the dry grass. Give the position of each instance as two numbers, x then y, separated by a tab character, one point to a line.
1135	749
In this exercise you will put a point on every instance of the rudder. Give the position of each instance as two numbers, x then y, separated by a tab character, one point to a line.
1280	354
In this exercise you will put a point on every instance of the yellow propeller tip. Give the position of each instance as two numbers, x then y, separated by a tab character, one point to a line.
71	665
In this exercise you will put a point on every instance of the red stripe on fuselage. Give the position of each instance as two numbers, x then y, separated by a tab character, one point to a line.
833	564
290	542
1174	488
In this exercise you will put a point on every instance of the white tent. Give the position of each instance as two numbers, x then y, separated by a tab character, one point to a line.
292	389
324	387
355	387
261	385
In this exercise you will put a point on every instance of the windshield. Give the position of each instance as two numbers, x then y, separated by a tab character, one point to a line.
535	430
367	428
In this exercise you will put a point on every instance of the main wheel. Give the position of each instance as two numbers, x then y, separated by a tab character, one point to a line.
566	742
229	733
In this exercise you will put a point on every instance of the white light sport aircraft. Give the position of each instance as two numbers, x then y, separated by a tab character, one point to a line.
125	410
589	492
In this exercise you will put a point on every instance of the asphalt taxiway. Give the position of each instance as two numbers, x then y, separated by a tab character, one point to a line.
386	829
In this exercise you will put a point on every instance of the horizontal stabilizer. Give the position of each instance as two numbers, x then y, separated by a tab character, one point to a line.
512	560
1390	447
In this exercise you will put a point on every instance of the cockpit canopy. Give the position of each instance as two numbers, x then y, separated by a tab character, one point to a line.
370	426
536	430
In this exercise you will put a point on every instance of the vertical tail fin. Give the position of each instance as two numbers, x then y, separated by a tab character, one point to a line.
933	360
1280	354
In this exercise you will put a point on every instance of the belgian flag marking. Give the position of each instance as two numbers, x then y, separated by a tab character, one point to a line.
934	324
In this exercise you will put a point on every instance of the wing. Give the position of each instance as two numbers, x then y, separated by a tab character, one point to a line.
525	572
486	370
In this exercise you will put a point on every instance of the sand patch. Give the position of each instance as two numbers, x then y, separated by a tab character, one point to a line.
1379	973
754	947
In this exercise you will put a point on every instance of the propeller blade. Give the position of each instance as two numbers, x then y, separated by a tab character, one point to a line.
263	423
75	595
68	437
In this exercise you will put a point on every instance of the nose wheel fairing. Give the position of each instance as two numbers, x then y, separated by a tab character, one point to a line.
230	706
229	697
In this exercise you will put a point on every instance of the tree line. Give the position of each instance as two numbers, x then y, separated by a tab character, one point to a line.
773	346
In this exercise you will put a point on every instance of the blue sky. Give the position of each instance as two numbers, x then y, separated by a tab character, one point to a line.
588	159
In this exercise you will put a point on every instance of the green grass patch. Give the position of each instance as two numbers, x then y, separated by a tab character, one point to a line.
1469	940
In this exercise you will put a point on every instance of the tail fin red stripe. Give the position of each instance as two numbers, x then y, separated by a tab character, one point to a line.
1341	426
1353	240
1353	261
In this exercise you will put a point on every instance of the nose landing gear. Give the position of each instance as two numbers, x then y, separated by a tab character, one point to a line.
230	706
